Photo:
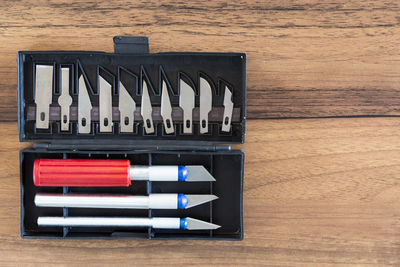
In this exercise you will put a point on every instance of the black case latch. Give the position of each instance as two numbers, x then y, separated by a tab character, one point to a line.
131	45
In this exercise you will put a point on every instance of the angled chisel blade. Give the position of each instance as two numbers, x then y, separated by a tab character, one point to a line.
43	95
194	224
84	107
228	104
195	200
146	110
127	108
205	104
105	106
65	100
186	102
198	173
166	110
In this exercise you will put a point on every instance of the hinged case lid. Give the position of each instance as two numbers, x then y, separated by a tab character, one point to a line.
131	64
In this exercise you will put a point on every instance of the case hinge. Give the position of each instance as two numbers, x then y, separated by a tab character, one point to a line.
40	145
129	147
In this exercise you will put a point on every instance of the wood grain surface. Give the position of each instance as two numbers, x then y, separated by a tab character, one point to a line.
317	191
306	58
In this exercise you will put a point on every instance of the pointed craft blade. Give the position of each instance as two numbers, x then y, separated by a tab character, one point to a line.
127	108
195	200
146	110
105	105
194	224
228	104
186	102
166	110
84	107
205	104
198	174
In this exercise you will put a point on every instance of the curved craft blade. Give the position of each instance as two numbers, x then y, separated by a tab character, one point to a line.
105	106
84	107
127	108
186	102
205	104
228	104
146	110
166	110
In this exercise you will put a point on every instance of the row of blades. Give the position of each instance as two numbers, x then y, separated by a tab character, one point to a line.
127	105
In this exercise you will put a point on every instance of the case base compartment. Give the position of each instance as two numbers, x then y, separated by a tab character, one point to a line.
226	211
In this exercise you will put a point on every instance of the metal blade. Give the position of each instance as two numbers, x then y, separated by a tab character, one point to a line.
194	224
198	174
65	100
127	108
84	107
43	95
205	104
166	110
105	106
186	102
146	110
228	104
195	200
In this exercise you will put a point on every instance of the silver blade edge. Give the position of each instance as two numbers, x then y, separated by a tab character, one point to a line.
195	200
197	173
194	224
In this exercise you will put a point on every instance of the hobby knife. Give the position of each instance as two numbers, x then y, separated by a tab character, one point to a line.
111	172
152	201
155	222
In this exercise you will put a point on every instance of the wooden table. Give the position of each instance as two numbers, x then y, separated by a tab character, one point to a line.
322	186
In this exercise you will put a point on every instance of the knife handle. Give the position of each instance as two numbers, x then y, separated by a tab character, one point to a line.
81	172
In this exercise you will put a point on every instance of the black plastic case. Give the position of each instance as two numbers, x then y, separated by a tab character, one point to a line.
130	63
